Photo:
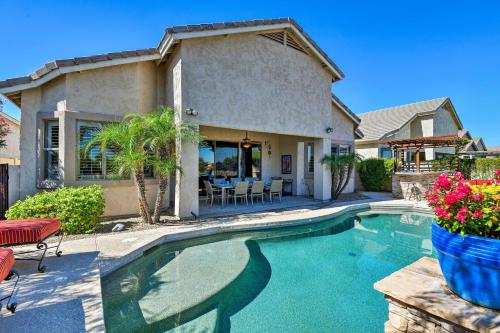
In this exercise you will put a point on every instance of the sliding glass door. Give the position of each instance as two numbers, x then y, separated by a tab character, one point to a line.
222	159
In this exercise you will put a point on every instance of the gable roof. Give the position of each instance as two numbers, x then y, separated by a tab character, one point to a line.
11	87
346	110
377	124
176	33
9	118
55	68
479	144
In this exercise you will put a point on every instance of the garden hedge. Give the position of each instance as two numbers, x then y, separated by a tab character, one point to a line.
79	208
375	173
485	167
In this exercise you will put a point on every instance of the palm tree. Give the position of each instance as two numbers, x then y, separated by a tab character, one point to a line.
161	136
341	167
126	140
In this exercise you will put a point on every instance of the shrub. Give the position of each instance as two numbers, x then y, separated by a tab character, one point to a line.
467	207
79	208
375	173
485	167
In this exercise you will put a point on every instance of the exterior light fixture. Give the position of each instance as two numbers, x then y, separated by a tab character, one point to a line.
191	112
329	130
246	141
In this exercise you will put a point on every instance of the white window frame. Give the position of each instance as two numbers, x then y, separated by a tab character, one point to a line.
48	147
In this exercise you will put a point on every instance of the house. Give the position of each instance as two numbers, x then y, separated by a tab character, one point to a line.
10	154
264	80
422	119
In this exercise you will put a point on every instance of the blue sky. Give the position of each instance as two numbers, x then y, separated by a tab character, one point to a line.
392	52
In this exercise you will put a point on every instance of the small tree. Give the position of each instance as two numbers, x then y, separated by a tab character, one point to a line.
126	139
161	135
341	168
4	131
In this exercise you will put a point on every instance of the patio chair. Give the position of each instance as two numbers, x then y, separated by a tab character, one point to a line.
235	180
211	193
7	273
31	231
257	190
250	180
275	189
239	191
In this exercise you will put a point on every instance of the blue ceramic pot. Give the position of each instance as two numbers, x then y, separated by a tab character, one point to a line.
470	265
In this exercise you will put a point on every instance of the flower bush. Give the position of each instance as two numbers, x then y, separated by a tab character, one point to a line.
467	207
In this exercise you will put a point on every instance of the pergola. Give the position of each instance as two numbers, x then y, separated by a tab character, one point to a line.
418	144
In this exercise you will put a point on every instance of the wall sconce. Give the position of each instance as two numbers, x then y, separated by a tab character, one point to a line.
191	112
329	130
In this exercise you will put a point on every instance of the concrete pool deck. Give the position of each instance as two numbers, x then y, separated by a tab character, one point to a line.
67	298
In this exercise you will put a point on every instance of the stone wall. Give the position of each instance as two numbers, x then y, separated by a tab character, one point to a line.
421	181
406	319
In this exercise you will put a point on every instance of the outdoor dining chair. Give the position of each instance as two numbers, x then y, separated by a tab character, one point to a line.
239	191
235	180
257	190
211	193
275	189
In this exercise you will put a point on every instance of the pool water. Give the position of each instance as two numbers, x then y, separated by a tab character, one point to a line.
316	278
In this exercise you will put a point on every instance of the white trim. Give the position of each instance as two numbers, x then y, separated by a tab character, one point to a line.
357	121
69	69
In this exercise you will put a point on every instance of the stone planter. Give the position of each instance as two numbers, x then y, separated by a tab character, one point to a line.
470	265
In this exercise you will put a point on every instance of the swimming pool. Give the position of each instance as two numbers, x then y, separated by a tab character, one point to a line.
312	278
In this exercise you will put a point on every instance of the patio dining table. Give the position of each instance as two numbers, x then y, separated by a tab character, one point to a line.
223	188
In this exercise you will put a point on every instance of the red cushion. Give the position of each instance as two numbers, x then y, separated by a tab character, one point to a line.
6	262
27	231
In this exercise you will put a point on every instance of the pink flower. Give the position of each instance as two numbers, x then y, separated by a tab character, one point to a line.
458	176
477	214
444	181
462	214
477	197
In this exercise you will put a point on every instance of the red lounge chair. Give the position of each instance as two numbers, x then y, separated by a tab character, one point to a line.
6	273
31	231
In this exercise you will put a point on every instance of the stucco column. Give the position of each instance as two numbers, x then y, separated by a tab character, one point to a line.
300	163
322	175
186	181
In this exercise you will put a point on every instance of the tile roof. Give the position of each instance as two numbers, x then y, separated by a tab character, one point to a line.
244	24
352	114
53	65
376	124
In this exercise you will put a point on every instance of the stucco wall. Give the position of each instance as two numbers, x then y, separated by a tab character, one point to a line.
251	82
10	154
368	151
104	94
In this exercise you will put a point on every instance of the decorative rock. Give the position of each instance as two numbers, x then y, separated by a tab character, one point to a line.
118	227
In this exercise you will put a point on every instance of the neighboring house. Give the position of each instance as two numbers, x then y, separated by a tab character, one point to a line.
475	144
10	154
265	79
428	118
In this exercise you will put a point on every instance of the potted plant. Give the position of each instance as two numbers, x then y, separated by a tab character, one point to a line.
466	235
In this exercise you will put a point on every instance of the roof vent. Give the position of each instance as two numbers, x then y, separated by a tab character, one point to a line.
285	38
276	36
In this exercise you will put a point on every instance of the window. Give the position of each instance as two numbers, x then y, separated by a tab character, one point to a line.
386	152
226	159
339	150
51	150
251	160
310	157
344	150
335	150
93	165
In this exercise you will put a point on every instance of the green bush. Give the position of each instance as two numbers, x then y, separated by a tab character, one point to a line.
454	163
79	208
485	167
375	173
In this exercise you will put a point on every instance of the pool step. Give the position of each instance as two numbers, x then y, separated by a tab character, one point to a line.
197	274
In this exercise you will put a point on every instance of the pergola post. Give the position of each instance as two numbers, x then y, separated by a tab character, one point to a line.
417	159
395	160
